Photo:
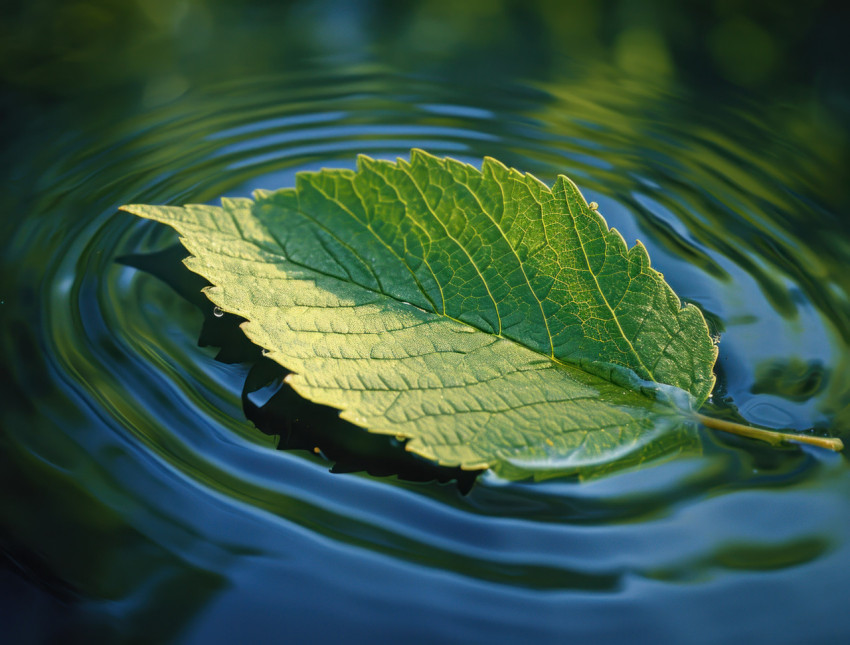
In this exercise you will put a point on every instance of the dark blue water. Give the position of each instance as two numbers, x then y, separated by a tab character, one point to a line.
140	504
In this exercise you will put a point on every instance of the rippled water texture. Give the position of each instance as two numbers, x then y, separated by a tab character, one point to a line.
145	503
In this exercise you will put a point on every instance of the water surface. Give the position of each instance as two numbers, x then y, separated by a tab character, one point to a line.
142	504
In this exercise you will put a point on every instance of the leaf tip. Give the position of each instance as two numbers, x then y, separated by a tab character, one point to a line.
133	209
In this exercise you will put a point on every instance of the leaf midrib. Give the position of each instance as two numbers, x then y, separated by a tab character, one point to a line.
369	228
285	258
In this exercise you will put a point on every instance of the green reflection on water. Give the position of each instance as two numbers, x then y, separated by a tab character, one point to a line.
151	52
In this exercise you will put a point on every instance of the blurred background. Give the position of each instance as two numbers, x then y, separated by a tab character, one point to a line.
786	60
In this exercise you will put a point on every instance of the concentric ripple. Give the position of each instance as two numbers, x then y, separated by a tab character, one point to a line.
175	505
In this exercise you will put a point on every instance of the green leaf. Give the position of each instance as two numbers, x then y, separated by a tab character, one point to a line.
488	319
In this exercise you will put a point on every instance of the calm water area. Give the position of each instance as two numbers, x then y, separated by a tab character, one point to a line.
146	494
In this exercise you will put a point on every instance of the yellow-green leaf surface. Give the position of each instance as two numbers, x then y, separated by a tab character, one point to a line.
488	319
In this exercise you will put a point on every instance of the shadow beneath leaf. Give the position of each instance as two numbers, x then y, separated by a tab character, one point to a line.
275	408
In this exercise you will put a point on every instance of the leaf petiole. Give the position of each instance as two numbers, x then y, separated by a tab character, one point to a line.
772	437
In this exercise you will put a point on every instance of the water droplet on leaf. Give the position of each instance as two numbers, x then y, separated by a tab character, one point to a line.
218	312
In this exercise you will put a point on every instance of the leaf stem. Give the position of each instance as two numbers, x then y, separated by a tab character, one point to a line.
772	437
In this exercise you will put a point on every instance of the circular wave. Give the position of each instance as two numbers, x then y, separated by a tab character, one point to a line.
174	489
